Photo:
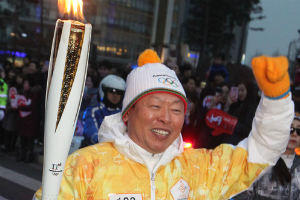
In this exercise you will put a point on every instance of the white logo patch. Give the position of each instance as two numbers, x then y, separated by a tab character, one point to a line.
125	196
180	191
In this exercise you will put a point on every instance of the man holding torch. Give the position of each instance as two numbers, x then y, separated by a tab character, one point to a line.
143	155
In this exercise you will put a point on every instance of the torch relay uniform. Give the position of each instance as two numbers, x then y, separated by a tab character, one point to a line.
117	165
119	168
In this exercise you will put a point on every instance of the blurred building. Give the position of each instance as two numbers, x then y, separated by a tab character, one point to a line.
26	30
121	28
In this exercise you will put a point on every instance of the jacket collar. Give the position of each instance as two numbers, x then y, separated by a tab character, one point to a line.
113	130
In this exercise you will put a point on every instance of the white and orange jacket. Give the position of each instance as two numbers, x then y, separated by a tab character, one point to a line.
114	169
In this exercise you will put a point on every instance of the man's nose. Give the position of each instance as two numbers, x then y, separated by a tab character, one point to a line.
164	115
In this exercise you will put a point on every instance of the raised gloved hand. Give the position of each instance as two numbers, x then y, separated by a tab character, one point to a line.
271	74
220	121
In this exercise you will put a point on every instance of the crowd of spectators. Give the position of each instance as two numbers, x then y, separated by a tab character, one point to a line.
23	89
21	103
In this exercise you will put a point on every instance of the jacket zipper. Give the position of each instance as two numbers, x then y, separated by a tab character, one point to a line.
152	178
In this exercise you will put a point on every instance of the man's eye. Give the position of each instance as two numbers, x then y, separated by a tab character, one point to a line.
155	106
177	111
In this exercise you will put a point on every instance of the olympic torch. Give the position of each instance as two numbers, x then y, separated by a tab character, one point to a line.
66	79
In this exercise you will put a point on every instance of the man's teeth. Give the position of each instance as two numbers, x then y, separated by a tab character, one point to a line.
160	132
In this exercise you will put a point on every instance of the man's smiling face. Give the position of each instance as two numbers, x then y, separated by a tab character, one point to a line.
155	121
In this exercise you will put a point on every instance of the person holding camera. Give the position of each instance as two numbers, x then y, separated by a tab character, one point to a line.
243	108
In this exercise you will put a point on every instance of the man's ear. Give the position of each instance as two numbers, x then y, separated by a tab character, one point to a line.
125	118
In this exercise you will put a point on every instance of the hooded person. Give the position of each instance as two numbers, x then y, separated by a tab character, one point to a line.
142	153
111	92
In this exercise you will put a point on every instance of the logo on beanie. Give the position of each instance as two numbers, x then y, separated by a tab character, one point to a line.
168	81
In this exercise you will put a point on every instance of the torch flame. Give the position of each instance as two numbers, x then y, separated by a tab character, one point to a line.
71	7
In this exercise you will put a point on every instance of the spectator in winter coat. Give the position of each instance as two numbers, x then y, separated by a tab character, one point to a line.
202	133
28	121
90	98
34	75
244	110
111	91
282	181
11	112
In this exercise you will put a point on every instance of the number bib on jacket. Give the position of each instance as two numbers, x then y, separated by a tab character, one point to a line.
125	197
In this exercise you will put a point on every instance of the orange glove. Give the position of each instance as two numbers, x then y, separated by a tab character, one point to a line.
272	77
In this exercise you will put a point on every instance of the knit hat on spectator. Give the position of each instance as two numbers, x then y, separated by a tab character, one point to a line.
151	76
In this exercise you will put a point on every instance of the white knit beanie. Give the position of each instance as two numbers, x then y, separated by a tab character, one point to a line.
151	77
